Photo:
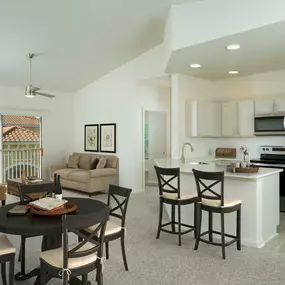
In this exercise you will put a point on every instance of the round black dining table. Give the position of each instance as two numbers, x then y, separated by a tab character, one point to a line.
50	227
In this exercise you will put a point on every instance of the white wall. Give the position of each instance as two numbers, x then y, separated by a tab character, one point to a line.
197	22
57	120
186	88
119	97
271	84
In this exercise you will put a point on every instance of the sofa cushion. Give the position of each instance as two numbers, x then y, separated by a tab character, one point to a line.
64	173
102	163
73	161
94	163
111	161
79	176
84	162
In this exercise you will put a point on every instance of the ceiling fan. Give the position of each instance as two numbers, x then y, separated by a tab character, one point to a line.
31	91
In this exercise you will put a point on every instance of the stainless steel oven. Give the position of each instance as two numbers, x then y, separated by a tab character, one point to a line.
274	157
269	125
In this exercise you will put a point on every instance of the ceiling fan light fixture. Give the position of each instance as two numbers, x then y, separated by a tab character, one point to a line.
29	92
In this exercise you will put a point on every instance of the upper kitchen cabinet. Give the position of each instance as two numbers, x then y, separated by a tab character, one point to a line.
279	105
269	106
229	119
265	106
209	119
238	119
202	119
246	118
191	119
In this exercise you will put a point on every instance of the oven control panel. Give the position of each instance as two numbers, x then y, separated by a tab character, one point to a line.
267	149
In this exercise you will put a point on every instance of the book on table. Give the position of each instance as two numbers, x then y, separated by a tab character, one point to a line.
48	204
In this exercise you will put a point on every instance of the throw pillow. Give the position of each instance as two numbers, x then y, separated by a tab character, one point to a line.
73	161
94	163
85	162
102	163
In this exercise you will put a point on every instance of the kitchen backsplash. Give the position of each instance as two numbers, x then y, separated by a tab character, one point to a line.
207	146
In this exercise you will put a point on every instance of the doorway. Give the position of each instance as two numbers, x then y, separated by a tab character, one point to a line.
156	142
20	146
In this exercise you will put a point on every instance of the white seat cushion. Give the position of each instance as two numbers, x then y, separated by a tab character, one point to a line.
174	196
5	246
217	203
111	228
54	257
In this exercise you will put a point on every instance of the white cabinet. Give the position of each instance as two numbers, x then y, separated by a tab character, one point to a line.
279	105
209	119
212	119
238	119
269	106
202	119
230	119
246	118
191	119
265	106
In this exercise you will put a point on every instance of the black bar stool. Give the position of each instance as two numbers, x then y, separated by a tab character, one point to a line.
213	202
170	194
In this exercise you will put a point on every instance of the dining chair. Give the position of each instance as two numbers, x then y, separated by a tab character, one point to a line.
24	191
118	199
169	193
210	190
7	254
81	258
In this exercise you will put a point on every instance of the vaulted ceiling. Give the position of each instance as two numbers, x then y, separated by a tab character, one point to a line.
75	41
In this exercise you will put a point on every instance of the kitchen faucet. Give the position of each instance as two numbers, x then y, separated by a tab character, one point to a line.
183	159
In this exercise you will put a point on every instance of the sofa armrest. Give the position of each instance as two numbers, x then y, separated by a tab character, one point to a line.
103	172
55	167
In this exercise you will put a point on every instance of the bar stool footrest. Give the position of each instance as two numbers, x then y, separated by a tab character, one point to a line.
234	238
191	228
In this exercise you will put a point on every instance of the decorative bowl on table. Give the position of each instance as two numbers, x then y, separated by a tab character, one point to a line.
248	169
68	208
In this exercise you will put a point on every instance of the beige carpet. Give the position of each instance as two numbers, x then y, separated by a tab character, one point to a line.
161	261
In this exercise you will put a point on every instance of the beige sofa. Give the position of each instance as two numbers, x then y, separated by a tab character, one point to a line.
89	181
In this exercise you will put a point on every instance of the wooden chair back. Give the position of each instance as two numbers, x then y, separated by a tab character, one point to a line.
168	180
206	191
119	196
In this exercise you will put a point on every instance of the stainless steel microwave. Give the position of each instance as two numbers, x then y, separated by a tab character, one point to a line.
269	125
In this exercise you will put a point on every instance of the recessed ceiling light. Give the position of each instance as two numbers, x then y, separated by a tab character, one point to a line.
233	72
233	47
195	65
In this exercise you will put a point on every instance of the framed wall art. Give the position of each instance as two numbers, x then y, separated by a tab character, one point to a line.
108	138
91	137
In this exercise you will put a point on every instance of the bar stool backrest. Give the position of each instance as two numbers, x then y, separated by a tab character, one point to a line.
205	191
168	180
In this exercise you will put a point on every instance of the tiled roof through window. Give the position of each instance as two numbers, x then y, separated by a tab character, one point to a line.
21	121
19	134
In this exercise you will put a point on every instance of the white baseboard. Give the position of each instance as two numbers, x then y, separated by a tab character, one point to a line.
151	183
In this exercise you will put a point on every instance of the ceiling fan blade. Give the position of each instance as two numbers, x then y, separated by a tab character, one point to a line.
44	94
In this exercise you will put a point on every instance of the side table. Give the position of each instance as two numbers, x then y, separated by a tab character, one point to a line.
13	187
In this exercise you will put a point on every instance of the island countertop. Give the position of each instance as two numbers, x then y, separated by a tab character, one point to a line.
212	167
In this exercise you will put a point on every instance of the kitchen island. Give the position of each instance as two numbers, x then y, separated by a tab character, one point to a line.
259	193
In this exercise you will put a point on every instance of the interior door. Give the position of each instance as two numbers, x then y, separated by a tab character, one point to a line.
156	122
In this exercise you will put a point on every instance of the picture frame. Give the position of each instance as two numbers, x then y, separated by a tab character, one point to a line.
108	138
91	137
